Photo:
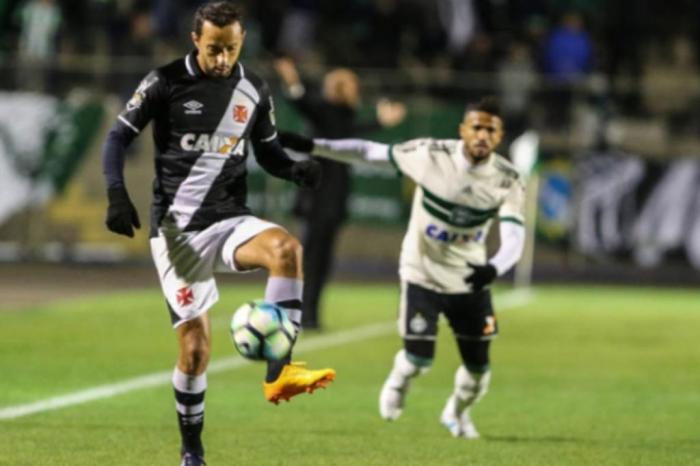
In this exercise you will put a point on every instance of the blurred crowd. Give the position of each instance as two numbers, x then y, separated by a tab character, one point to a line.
555	44
562	37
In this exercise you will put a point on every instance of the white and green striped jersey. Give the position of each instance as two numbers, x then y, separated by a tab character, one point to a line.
454	205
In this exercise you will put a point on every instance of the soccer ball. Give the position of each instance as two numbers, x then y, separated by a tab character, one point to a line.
262	331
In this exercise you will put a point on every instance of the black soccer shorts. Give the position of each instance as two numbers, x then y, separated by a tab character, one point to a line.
470	315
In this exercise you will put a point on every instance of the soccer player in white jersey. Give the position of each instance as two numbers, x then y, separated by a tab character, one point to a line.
462	185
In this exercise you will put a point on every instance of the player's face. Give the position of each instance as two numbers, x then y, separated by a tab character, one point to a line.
481	133
219	48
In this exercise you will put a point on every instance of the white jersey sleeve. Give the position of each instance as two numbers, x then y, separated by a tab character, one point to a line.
412	157
512	245
351	150
513	207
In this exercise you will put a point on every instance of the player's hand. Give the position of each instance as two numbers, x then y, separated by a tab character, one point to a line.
287	71
481	276
121	213
296	142
390	113
307	174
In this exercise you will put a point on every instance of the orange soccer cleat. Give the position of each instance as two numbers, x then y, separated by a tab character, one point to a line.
295	379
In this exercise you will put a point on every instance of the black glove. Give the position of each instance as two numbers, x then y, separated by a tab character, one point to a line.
121	213
482	275
306	174
296	142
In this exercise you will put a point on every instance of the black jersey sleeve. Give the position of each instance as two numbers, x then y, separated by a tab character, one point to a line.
139	110
264	128
147	101
268	151
113	154
273	159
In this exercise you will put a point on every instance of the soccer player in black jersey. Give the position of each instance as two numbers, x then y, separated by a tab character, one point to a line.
206	108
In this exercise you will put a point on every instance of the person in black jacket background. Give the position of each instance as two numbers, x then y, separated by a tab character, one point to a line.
332	113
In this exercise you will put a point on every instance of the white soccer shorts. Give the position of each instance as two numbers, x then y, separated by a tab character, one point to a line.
186	262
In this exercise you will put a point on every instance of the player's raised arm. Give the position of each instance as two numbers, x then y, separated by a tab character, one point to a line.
341	150
122	216
409	158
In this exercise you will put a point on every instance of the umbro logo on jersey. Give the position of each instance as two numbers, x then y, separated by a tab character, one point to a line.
193	107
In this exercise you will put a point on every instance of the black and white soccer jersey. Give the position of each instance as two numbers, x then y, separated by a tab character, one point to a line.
201	127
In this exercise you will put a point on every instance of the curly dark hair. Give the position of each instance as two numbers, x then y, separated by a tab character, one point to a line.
219	13
488	104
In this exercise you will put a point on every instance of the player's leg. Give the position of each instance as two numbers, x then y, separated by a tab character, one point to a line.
418	317
281	254
473	323
190	384
185	267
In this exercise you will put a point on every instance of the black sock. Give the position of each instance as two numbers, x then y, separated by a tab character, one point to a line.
274	368
189	397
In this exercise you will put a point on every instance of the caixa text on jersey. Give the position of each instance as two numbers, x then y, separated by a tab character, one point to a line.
446	236
219	143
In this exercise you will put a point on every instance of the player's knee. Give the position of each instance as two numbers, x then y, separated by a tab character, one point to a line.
471	385
412	364
194	356
286	252
420	354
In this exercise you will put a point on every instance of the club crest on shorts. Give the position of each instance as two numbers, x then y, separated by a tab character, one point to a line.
184	296
418	324
240	113
490	326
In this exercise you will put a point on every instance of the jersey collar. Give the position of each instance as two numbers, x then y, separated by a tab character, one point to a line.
195	71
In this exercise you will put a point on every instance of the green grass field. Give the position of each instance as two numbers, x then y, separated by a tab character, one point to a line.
582	376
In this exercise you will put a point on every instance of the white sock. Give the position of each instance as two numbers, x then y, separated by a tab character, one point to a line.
403	371
286	293
470	387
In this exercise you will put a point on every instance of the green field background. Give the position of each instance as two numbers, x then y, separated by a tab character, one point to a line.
582	376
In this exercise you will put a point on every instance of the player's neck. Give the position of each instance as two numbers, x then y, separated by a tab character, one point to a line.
475	162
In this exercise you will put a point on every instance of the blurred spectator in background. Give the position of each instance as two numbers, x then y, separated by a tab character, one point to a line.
625	42
568	57
385	29
517	78
40	21
268	15
298	29
459	19
332	114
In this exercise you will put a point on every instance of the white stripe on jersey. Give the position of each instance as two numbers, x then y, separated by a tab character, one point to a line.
193	190
126	122
274	135
188	65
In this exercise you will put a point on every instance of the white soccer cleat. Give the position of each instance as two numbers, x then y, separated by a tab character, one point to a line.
459	426
391	401
468	429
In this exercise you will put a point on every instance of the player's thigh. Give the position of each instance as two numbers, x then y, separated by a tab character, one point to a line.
419	309
471	316
267	249
185	270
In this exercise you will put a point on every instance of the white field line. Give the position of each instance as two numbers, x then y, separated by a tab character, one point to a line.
504	301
